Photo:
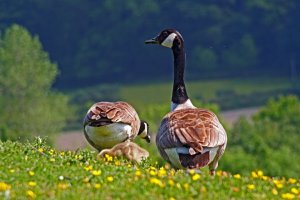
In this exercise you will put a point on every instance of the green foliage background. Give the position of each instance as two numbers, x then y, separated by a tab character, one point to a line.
28	106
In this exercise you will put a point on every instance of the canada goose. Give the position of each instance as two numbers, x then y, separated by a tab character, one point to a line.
188	137
127	149
109	123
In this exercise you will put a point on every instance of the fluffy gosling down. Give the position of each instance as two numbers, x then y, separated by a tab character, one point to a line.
109	123
127	149
188	137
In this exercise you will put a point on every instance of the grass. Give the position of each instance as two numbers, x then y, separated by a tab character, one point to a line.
34	170
161	92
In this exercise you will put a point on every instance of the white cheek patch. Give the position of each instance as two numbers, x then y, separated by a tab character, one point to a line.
168	42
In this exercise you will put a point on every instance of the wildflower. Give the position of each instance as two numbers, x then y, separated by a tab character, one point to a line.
108	158
171	182
51	151
237	176
288	196
62	186
254	174
172	198
156	182
138	173
219	173
52	159
12	171
196	177
97	186
110	179
251	186
264	178
172	172
278	183
30	194
96	172
61	178
117	163
260	173
31	173
88	168
274	191
152	172
192	172
161	172
295	191
186	186
41	150
292	180
4	186
86	180
62	153
32	183
178	185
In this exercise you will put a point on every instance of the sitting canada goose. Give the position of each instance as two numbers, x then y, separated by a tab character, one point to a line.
127	149
109	123
188	137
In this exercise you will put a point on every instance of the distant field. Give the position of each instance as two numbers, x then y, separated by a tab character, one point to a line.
161	92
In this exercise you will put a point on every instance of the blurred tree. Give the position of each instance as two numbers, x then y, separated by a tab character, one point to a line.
28	106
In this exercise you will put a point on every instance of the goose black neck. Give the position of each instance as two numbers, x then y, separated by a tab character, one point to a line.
179	94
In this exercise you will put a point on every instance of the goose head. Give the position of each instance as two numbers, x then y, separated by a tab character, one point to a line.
144	131
168	38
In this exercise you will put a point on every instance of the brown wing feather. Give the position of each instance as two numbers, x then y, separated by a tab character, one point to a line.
192	128
114	111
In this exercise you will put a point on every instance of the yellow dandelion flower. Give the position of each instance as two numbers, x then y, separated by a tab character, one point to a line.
152	172
295	191
254	174
31	173
274	191
62	153
251	187
52	159
41	150
172	172
186	186
192	172
237	176
108	158
62	186
156	182
178	185
138	173
288	196
171	182
219	173
110	179
51	152
196	177
4	186
161	172
88	168
96	172
129	165
97	185
278	183
32	183
12	171
172	198
292	180
265	178
117	163
30	194
260	173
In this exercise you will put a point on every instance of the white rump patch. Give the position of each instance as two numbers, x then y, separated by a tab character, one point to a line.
168	42
187	104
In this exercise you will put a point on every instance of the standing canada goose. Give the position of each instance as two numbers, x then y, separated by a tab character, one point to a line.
109	123
127	149
188	137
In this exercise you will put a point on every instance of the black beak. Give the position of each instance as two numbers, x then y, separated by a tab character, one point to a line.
151	41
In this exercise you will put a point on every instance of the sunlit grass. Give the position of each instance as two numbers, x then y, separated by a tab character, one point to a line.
37	171
207	89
